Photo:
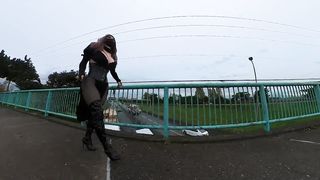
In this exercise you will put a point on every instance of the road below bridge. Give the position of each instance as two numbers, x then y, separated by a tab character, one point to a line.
124	116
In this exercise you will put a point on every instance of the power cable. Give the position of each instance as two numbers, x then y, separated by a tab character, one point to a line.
179	17
209	25
200	36
213	36
192	25
177	55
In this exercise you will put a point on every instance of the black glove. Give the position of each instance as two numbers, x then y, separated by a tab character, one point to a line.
119	85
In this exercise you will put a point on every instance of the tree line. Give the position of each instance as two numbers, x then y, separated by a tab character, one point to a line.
213	95
23	74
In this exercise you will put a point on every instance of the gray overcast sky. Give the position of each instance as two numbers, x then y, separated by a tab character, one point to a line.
200	40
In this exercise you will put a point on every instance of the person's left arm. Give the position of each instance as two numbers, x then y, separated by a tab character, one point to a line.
112	68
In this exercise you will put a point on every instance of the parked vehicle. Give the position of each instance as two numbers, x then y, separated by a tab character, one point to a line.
134	109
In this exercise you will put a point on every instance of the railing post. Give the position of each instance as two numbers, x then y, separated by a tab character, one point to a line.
166	113
265	110
28	101
48	102
317	93
8	99
16	98
3	98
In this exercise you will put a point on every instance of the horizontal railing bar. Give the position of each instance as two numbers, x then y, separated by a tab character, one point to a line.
293	118
195	85
218	126
182	85
44	90
63	115
136	125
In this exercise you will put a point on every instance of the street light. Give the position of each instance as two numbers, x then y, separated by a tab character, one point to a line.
254	69
257	91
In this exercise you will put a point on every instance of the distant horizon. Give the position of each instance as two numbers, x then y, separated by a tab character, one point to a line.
3	81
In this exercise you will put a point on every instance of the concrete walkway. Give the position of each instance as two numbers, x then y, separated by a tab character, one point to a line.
34	148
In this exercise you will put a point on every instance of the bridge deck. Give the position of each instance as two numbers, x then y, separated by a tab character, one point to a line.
34	148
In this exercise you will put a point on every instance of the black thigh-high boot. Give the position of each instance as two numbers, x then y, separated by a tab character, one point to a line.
86	140
97	119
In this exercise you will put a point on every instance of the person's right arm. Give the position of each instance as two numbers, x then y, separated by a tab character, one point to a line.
87	55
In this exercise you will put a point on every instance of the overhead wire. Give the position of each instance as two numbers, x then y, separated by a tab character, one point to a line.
177	17
213	36
209	25
189	35
195	35
150	57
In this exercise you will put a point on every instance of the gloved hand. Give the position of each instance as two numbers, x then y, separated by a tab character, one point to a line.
119	85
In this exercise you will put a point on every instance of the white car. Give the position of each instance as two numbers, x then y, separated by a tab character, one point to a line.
197	132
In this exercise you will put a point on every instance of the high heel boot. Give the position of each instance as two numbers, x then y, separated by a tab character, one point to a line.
111	153
86	141
98	125
108	149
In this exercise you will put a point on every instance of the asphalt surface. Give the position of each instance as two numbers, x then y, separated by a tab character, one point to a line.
34	148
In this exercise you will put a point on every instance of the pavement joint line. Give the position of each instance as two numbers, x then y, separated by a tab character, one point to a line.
305	141
108	176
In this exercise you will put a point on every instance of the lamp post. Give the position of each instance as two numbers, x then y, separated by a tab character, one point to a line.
254	69
257	98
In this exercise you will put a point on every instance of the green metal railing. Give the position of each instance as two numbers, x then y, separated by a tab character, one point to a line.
173	107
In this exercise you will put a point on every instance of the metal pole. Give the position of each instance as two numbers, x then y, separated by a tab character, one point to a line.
254	69
265	110
166	113
257	97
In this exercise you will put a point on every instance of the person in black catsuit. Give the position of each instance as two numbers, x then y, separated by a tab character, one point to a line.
102	58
